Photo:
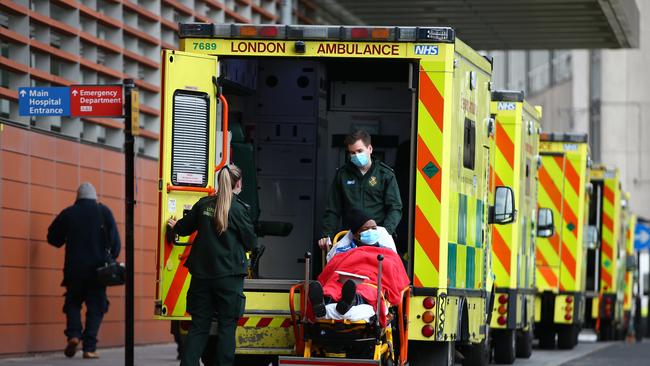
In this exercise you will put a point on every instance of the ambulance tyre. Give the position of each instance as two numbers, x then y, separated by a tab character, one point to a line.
504	346
423	353
547	338
606	330
524	343
566	336
477	354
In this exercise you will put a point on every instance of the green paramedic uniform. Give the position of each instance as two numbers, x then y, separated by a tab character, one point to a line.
376	193
217	264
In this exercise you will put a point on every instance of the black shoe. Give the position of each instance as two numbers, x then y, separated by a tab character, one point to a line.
348	293
316	298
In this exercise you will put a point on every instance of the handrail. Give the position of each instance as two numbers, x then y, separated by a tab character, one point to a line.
403	309
224	137
208	189
297	327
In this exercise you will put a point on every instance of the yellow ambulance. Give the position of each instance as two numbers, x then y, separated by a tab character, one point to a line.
515	160
560	258
287	96
605	262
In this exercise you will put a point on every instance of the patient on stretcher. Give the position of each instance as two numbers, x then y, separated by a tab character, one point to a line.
347	287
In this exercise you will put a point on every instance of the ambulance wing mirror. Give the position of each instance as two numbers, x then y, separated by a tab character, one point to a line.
503	211
630	263
545	224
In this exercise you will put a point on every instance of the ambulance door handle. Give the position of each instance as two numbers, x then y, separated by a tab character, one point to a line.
224	135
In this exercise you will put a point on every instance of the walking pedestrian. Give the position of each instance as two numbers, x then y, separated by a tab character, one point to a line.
217	263
87	228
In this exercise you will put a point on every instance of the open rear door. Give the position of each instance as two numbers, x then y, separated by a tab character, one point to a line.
193	139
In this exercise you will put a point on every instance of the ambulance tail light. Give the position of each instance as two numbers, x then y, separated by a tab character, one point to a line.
369	33
429	302
502	320
568	299
318	32
256	31
428	317
427	331
503	298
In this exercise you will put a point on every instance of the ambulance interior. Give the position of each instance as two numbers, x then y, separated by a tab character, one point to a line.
288	118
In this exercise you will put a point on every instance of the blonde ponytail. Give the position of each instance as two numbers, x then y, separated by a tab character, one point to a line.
226	181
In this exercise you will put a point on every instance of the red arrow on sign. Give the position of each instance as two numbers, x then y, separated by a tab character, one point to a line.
96	101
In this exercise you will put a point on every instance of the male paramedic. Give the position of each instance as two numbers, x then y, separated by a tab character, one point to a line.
361	183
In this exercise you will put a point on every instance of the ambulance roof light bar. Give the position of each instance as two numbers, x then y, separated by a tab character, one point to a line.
564	137
317	32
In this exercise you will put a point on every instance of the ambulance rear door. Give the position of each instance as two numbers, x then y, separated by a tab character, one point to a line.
192	148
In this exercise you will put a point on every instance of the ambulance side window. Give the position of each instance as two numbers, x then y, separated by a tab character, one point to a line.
469	144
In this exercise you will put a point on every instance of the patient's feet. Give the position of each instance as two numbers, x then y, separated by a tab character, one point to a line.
348	293
316	298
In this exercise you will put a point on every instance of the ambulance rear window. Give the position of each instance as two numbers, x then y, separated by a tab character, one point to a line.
190	123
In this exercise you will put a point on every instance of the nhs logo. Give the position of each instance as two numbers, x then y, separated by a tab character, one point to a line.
426	49
506	106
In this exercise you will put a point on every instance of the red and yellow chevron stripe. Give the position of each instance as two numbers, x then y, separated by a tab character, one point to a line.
428	228
609	243
264	322
504	174
174	291
560	189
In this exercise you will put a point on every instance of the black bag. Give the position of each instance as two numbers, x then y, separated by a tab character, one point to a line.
111	273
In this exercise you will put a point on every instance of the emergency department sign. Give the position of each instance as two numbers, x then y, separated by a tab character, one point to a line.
44	101
96	100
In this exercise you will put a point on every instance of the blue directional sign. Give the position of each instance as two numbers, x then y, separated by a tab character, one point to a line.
641	236
44	101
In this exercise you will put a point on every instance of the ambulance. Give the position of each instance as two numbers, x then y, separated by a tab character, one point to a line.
515	160
606	262
561	258
287	96
641	291
630	261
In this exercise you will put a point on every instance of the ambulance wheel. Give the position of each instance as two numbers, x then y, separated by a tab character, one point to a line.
524	343
477	354
566	337
546	338
423	353
606	332
504	346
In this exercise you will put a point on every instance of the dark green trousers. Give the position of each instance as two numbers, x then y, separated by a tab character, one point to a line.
205	297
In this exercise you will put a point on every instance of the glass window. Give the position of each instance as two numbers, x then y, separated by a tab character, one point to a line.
469	144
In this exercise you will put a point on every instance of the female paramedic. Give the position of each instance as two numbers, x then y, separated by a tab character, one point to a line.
217	263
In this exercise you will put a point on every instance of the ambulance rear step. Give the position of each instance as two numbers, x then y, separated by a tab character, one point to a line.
314	361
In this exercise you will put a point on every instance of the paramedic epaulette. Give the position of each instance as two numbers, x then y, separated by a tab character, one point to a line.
386	166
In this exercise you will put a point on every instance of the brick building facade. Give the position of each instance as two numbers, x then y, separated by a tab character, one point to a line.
44	159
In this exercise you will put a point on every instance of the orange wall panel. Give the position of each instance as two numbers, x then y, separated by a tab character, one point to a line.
39	177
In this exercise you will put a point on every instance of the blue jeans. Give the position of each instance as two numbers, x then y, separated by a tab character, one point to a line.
96	306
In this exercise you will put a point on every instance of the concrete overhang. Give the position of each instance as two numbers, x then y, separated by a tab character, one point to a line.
510	24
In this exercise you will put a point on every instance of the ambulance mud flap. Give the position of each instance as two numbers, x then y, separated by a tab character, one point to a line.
301	361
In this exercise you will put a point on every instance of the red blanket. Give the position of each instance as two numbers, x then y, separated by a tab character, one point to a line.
363	261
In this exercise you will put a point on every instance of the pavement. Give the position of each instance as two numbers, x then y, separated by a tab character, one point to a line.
621	353
586	353
150	355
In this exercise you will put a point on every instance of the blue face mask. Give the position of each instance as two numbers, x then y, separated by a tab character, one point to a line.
359	159
369	237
